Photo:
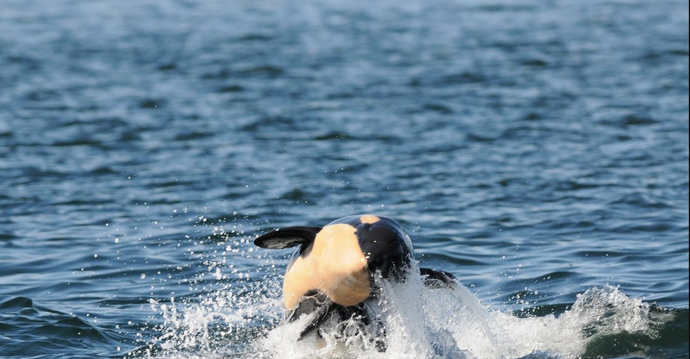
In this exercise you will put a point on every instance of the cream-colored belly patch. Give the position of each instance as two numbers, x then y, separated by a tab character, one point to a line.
334	265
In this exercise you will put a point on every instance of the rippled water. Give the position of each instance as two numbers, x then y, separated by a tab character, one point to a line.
538	150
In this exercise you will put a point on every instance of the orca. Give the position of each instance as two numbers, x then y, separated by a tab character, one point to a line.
332	274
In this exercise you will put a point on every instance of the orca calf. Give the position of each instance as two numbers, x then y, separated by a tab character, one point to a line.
332	274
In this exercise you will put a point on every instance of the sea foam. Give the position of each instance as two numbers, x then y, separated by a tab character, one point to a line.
419	323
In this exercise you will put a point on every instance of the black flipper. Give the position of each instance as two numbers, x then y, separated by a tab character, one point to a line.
437	279
287	237
321	310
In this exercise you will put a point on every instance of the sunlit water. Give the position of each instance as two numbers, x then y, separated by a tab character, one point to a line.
538	150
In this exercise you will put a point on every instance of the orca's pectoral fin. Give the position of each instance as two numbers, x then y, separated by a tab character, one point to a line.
318	306
437	279
320	316
287	237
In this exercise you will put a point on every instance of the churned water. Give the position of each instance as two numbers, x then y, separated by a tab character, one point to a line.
538	150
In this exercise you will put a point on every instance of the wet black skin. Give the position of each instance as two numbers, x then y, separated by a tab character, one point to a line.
388	250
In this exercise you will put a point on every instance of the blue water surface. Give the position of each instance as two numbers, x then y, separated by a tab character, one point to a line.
535	149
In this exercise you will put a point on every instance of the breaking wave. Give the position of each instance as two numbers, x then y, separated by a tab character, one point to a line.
245	321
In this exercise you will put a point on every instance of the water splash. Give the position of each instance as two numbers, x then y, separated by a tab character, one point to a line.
419	323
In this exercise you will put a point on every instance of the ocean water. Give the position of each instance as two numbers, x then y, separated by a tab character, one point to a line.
537	150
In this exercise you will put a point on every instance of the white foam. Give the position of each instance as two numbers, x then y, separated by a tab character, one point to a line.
420	323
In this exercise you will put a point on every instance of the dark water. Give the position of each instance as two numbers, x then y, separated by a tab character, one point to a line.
536	149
